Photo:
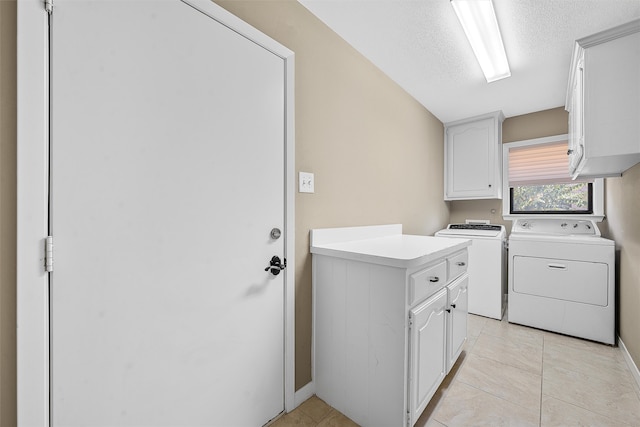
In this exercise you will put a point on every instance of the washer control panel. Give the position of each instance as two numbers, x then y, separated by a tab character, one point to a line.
558	226
486	227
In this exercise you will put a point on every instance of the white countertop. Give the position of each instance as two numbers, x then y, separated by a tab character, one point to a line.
392	248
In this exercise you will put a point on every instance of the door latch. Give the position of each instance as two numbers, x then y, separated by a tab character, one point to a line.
276	265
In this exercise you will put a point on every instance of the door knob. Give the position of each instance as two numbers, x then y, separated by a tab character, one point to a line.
275	233
276	265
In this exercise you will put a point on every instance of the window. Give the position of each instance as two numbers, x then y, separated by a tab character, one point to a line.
552	198
537	181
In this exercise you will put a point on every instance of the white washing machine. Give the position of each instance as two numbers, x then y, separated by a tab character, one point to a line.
487	264
562	278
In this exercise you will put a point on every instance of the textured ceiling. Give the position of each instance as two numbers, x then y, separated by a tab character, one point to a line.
421	46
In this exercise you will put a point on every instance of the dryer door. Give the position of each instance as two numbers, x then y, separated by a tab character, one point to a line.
578	281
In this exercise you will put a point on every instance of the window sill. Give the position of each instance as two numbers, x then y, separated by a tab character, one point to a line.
595	217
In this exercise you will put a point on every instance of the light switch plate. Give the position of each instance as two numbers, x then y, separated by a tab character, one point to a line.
306	182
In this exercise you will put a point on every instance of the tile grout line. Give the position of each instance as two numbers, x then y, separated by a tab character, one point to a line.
446	392
492	395
506	340
544	340
577	404
506	364
620	423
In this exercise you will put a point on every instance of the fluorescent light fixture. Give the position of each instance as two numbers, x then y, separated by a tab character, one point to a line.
481	27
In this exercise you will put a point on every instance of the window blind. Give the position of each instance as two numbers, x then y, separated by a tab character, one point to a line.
539	164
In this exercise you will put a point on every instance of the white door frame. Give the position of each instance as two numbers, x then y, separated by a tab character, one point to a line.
32	204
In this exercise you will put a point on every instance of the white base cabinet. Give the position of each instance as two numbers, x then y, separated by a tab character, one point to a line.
385	336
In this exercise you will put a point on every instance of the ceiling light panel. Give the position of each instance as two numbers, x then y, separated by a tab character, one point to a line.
480	25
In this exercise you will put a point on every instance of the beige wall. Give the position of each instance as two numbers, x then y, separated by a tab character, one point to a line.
535	125
622	207
377	155
490	209
7	213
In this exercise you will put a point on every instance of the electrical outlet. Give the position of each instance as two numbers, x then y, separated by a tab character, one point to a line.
306	182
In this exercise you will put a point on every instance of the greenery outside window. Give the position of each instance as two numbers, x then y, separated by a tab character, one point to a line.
537	180
570	198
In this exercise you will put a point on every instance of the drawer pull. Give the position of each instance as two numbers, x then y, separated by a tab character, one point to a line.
453	305
557	266
434	279
461	264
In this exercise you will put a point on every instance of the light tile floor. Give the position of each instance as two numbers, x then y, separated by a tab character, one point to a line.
511	375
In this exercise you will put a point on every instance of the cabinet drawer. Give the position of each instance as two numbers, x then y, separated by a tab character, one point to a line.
457	265
427	281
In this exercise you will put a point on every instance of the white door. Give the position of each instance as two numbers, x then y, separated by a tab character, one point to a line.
167	176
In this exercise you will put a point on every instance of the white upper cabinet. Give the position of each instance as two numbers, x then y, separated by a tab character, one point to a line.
603	101
472	156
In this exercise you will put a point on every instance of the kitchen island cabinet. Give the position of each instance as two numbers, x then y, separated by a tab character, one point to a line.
389	319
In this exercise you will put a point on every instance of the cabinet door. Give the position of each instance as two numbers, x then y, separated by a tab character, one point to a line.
457	319
471	153
427	351
603	103
576	127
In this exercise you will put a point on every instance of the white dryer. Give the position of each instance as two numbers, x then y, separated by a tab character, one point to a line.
487	266
562	278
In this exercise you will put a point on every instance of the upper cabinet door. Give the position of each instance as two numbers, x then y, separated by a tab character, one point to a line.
603	103
473	149
576	125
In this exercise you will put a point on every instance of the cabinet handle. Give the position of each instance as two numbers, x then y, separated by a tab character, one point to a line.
434	279
453	305
448	310
489	185
569	152
461	264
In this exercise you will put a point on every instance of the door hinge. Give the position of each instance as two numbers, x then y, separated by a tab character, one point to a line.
48	254
48	6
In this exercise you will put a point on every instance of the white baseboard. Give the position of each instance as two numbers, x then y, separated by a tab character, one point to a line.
303	394
627	357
